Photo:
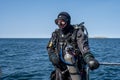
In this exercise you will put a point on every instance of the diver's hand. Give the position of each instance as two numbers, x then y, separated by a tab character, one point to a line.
93	64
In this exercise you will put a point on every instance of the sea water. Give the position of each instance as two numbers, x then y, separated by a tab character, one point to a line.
27	59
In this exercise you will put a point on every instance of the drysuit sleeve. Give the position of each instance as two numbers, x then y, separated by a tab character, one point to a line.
82	41
51	49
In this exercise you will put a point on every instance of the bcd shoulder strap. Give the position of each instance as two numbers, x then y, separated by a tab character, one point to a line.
81	27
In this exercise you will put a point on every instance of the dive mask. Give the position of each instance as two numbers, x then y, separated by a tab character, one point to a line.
61	23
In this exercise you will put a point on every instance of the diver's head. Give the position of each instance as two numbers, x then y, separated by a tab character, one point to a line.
63	20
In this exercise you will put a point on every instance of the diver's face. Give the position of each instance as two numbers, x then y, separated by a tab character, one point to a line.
61	23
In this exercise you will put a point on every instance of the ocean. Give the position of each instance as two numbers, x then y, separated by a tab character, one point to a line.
27	59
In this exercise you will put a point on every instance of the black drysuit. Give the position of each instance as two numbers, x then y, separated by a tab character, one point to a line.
75	37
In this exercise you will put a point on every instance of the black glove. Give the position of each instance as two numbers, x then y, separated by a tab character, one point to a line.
54	59
93	63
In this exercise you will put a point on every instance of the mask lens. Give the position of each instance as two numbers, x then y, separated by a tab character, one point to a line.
60	22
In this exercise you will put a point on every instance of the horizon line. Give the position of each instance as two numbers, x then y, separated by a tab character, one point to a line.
49	37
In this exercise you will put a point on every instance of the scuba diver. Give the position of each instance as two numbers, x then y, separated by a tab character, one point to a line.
68	50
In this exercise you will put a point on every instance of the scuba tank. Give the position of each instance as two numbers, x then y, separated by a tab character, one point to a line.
70	60
73	69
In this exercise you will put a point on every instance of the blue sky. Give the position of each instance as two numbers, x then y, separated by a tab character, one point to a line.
35	18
